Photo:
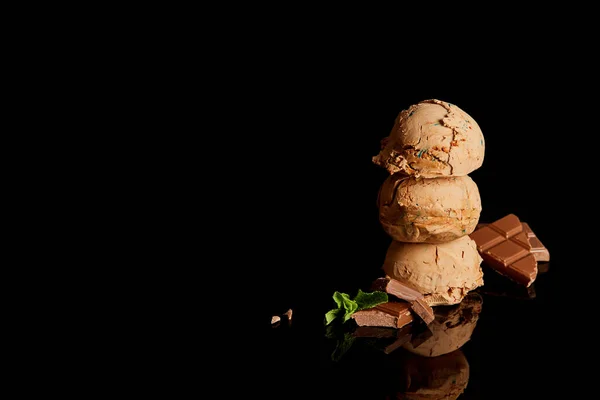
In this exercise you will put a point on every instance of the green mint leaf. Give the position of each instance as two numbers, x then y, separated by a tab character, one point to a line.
341	299
370	300
351	307
345	304
331	315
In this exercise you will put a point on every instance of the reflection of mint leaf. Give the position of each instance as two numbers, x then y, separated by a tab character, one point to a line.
342	346
348	306
370	300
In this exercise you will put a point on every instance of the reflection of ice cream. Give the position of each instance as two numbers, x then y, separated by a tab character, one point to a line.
433	378
431	139
428	210
451	329
443	272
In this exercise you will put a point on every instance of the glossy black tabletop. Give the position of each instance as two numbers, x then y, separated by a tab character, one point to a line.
523	342
507	341
323	235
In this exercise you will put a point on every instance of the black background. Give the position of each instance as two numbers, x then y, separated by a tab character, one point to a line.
320	231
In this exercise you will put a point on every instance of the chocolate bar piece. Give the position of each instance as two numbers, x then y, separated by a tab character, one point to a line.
506	246
539	251
405	292
391	314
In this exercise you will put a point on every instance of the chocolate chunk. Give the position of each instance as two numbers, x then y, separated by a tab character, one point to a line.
399	289
505	253
423	310
508	226
391	314
490	237
486	237
539	251
510	247
403	291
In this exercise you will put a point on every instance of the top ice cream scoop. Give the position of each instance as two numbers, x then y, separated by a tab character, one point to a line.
430	139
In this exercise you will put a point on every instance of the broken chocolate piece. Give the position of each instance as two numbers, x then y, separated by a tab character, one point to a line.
423	310
539	251
391	314
491	237
399	289
508	226
485	238
510	248
405	292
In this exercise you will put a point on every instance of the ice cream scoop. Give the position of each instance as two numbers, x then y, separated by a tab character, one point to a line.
430	139
452	328
444	272
432	210
432	378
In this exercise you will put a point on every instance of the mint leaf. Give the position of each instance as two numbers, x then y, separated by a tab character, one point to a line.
345	305
341	299
350	306
331	315
370	300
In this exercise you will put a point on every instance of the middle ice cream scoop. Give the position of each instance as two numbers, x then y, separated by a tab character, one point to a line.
428	210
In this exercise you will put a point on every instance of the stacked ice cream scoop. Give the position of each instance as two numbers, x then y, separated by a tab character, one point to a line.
429	204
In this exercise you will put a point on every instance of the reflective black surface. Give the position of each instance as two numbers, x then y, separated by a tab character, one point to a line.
502	341
327	238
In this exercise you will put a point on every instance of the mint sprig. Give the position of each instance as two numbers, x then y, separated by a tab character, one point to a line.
347	306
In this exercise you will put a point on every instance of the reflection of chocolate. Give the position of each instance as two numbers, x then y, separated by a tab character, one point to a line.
543	267
451	329
388	339
432	378
496	285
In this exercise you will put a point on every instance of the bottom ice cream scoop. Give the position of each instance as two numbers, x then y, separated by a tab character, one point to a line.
443	272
